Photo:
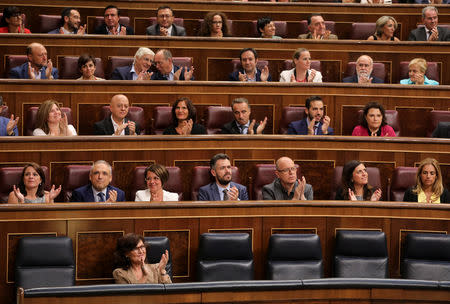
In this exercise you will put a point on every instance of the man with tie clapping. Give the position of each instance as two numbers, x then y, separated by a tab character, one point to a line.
430	31
241	123
315	122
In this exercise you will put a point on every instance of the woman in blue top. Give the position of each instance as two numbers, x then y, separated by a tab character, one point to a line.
417	68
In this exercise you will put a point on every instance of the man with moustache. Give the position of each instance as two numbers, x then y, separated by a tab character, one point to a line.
286	185
315	122
364	69
241	123
223	189
38	65
70	21
139	70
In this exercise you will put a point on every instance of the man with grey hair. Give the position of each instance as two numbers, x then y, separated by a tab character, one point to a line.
430	31
241	123
139	70
99	188
167	70
364	68
8	127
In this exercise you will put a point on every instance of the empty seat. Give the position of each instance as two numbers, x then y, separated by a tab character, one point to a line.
69	68
216	117
436	117
31	118
75	176
378	70
224	257
158	246
374	179
329	25
162	118
362	30
294	257
290	114
135	114
264	175
360	254
183	61
402	179
426	256
289	64
201	176
119	61
10	176
11	61
391	119
431	73
48	23
173	184
44	262
280	28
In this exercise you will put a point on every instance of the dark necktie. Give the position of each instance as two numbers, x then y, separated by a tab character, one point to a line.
101	197
225	194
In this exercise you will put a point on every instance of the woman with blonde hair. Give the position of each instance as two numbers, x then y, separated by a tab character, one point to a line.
417	69
385	29
302	71
429	187
51	121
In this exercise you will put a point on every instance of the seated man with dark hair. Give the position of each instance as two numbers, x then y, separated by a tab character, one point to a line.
38	65
249	71
169	71
165	25
241	123
315	122
317	29
111	25
70	23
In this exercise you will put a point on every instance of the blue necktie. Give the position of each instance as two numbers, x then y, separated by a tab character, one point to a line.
101	197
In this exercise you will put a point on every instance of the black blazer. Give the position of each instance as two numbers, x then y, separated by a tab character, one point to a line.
101	30
232	128
176	30
158	76
105	127
354	79
419	34
411	197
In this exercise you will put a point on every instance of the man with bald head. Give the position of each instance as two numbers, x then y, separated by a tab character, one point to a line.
167	70
117	123
38	65
364	68
286	185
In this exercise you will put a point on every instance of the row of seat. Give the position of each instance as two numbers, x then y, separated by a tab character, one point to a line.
48	261
68	66
78	175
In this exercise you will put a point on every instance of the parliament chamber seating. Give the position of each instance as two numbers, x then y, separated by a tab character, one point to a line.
360	254
225	257
426	256
392	119
216	117
75	176
329	25
280	28
135	114
236	64
68	67
31	119
294	257
264	174
379	70
44	262
99	20
48	23
433	70
11	61
288	115
162	118
402	179
157	246
362	30
176	21
173	184
374	179
437	116
201	176
229	23
10	176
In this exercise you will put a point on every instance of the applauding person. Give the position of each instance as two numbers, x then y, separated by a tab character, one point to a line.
302	71
183	119
167	70
315	122
317	29
249	71
373	122
52	121
416	71
12	21
38	65
156	176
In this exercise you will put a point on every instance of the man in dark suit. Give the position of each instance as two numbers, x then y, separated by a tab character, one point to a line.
111	26
315	122
248	71
430	31
223	189
38	65
139	70
241	123
165	26
99	188
364	68
117	123
167	70
70	23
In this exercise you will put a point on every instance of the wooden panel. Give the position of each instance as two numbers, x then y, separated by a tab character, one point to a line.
123	177
320	174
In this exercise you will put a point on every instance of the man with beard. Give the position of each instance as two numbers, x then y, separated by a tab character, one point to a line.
241	123
286	185
223	189
70	21
315	122
139	70
364	69
249	72
38	65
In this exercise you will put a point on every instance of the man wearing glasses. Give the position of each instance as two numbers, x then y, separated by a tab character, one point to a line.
286	185
164	25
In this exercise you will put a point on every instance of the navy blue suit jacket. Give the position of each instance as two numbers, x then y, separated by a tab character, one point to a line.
158	76
235	75
211	193
354	79
300	127
21	72
86	195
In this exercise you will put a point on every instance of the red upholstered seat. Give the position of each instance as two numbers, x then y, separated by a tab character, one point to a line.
280	28
183	61
10	176
402	179
11	61
119	61
174	184
431	73
201	176
374	179
217	117
31	118
329	25
289	115
69	68
391	119
362	30
48	23
162	118
135	114
379	70
176	21
289	64
435	118
75	176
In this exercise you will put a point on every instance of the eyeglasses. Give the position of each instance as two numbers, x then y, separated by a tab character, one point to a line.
286	170
143	247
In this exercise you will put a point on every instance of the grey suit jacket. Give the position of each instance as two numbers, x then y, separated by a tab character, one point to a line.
153	30
419	34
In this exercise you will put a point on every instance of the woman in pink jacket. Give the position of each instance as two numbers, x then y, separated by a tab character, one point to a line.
373	122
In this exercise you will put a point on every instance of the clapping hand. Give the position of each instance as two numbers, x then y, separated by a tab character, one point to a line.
53	193
233	194
18	194
112	196
376	196
12	123
265	73
312	75
299	192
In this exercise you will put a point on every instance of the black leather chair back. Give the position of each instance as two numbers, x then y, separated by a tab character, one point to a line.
294	257
224	257
360	254
158	245
45	262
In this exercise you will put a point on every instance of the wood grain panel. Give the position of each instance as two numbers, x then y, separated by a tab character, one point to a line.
320	174
124	175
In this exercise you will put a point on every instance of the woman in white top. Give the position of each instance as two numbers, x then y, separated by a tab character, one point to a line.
155	176
302	71
51	121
